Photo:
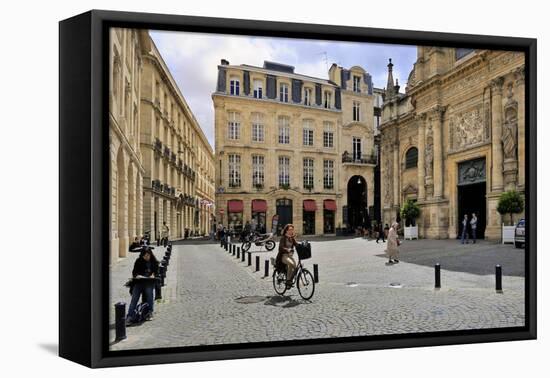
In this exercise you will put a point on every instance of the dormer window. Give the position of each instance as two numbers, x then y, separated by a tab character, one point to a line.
461	53
327	100
283	93
357	84
307	96
258	89
234	86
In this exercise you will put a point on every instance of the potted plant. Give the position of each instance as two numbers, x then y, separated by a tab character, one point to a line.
410	212
510	202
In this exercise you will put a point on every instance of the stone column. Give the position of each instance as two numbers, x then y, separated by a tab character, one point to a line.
396	184
421	147
520	97
496	171
438	152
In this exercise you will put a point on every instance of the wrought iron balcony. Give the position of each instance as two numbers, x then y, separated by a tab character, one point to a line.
156	185
166	152
173	158
362	159
157	145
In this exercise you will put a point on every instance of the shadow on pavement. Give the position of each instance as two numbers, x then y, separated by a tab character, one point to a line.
284	301
479	258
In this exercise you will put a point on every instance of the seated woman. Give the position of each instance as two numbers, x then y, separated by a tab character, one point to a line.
286	252
146	266
136	245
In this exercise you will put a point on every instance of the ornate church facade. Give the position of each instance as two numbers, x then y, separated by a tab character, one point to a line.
455	140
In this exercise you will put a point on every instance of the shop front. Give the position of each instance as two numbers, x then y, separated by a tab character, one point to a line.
329	211
259	210
309	217
235	215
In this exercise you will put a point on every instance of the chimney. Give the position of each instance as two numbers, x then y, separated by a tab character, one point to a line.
225	62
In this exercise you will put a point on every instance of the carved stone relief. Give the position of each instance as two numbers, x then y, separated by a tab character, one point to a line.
429	151
388	177
468	128
510	127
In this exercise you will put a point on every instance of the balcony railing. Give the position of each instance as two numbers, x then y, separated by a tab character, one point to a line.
359	159
166	152
156	185
157	145
173	158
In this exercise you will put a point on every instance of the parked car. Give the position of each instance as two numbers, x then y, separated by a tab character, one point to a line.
519	234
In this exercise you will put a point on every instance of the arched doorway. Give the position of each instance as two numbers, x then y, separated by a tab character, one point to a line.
357	202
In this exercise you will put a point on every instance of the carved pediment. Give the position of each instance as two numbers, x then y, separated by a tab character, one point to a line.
410	189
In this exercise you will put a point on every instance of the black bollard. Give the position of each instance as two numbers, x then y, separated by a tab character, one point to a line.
165	261
225	246
498	278
162	274
158	242
249	258
221	243
316	273
257	263
238	252
242	255
120	321
266	268
437	276
158	288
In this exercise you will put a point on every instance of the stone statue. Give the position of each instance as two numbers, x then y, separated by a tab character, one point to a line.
429	156
509	134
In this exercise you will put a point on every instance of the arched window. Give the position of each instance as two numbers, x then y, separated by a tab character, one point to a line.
411	158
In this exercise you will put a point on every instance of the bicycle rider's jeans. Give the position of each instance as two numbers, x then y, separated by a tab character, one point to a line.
290	265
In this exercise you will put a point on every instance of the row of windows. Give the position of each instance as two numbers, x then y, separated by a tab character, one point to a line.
258	130
284	90
258	165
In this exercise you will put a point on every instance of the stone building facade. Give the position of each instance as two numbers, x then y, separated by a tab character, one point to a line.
178	182
161	165
126	169
454	141
295	146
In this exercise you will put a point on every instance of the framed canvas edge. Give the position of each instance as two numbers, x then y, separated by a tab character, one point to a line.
99	170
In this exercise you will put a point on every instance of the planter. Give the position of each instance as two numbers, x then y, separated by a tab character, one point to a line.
508	234
411	232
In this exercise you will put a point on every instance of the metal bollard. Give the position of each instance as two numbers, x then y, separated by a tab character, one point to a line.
316	273
242	255
225	246
249	258
238	252
233	249
158	288
158	242
257	263
120	321
266	268
498	278
165	261
437	276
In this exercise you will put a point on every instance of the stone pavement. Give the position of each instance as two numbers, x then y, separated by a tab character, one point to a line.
213	298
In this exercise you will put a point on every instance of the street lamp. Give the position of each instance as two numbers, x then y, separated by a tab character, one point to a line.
359	181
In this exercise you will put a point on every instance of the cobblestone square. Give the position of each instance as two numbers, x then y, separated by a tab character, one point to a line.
211	297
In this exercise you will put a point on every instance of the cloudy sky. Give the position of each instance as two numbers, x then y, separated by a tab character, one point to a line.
193	59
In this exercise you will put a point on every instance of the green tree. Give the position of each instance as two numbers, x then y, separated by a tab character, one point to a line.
410	211
510	202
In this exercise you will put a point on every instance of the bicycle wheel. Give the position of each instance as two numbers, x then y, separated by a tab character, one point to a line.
279	282
246	246
306	284
269	245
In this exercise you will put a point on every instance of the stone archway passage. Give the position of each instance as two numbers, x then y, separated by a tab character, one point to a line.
357	202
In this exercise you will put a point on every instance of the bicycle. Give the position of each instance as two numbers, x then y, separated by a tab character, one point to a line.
302	278
260	240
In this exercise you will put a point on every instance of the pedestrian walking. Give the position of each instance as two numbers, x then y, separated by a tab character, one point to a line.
392	248
380	235
464	235
165	234
473	226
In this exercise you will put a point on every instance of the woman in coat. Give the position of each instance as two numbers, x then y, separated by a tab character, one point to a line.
286	252
393	244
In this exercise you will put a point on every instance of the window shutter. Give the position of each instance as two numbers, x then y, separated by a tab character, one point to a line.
271	87
337	99
296	90
318	97
246	82
221	86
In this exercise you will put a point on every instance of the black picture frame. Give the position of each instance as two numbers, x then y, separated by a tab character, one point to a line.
83	195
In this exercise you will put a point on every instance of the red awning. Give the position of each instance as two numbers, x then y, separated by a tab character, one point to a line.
309	205
330	205
259	206
235	206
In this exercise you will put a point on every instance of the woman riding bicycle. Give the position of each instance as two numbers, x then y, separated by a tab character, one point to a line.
286	252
